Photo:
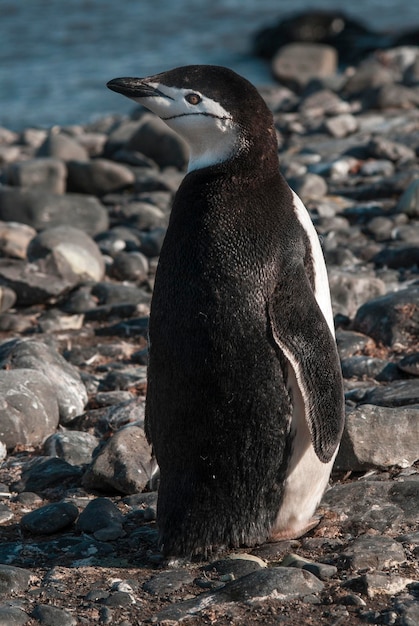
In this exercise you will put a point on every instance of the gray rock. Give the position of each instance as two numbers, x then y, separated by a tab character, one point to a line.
152	241
120	135
35	283
379	437
409	612
349	342
114	293
13	616
41	209
72	446
13	580
72	247
363	366
53	616
50	519
377	167
15	238
46	473
341	125
158	142
368	75
395	394
380	583
279	583
398	255
47	174
101	514
5	514
374	504
391	319
297	63
323	102
62	146
349	290
143	215
123	464
373	552
381	148
167	583
29	407
132	266
68	387
236	565
98	177
309	186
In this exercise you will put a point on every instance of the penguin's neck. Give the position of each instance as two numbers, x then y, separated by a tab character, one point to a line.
249	156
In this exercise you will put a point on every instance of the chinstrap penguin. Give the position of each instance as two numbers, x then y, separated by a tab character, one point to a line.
244	404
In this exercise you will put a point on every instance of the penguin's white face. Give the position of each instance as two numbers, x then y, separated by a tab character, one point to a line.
203	123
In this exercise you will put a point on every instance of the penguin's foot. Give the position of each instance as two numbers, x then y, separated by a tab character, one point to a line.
294	533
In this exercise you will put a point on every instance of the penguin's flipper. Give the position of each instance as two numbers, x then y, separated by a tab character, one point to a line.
303	336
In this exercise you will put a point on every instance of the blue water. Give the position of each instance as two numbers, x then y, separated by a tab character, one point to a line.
57	55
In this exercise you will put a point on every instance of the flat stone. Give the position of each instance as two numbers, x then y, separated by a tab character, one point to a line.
50	518
123	464
363	366
74	447
379	437
278	583
380	505
13	580
380	583
11	616
47	473
167	583
394	394
34	283
410	364
53	616
374	553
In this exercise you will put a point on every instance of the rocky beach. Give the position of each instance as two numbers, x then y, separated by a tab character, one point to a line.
83	213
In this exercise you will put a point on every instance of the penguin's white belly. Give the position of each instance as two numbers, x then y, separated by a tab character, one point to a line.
307	477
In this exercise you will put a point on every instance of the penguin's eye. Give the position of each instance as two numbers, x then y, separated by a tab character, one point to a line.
193	98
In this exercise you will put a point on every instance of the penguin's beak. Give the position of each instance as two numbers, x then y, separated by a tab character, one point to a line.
134	88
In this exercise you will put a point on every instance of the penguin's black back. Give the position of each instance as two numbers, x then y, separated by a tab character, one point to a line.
218	414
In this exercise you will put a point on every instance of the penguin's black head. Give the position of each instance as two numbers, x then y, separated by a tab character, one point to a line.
215	110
